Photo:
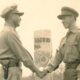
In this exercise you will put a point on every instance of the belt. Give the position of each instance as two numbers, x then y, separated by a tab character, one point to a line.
10	62
13	63
6	63
72	65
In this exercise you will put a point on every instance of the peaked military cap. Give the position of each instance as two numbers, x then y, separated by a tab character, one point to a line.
10	9
67	11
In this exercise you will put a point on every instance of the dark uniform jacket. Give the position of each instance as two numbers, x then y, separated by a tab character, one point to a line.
11	46
69	50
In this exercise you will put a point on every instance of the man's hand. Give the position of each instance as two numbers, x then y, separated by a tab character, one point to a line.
41	74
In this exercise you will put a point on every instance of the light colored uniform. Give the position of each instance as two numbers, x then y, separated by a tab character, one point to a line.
69	53
11	48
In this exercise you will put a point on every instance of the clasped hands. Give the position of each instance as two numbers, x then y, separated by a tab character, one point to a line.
43	73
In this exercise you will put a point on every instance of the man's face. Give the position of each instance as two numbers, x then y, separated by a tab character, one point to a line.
68	21
15	18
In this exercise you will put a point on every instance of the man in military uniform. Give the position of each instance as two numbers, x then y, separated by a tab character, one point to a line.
12	53
69	50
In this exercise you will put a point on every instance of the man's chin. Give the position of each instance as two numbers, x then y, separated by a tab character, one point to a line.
66	27
17	25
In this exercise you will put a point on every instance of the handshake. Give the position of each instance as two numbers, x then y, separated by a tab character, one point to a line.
43	73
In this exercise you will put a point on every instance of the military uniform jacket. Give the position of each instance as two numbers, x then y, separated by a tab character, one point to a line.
69	49
11	46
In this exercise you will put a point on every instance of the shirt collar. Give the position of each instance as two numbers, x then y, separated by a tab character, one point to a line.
9	28
74	30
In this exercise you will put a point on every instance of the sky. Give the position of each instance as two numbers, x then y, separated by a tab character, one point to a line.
39	15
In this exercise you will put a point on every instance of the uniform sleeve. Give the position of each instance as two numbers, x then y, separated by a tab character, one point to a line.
17	48
78	41
20	52
55	63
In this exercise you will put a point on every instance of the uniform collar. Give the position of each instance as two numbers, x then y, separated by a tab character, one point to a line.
9	27
74	30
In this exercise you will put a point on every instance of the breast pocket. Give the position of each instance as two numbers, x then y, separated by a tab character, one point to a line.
74	50
71	52
71	47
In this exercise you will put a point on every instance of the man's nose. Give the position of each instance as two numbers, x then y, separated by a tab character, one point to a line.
63	21
20	18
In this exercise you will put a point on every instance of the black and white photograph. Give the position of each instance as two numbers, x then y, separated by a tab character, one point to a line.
39	40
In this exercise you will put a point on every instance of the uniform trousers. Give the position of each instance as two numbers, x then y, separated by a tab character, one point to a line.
15	73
